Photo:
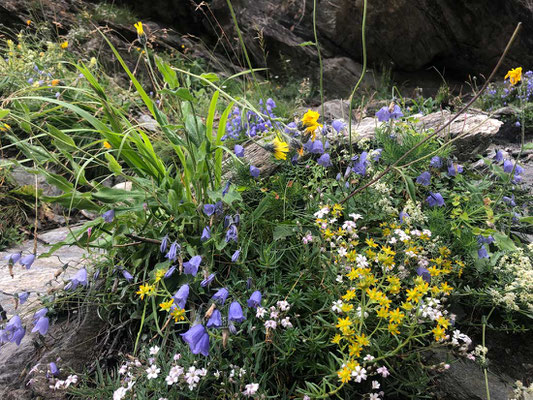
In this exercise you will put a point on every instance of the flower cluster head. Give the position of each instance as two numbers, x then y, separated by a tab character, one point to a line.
281	149
388	283
13	331
392	112
514	75
310	123
251	123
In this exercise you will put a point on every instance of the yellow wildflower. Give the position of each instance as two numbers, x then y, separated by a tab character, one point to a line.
363	340
139	27
281	149
393	329
160	273
346	307
166	305
355	349
383	312
345	375
64	45
178	314
343	323
55	82
28	22
352	274
350	294
442	321
514	75
107	145
396	316
371	243
336	339
145	290
445	288
439	333
310	121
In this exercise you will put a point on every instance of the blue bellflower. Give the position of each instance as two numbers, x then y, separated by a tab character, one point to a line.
324	160
424	178
198	339
13	258
435	199
164	243
180	297
338	125
215	321
238	150
206	234
232	234
235	256
173	252
254	171
109	216
435	162
424	273
255	299
220	296
207	281
191	267
235	313
28	260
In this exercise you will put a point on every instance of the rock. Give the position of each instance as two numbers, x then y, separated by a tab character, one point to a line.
465	381
341	75
22	177
473	132
40	278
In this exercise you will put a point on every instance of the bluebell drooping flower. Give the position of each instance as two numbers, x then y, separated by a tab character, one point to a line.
360	163
28	260
207	281
292	129
109	216
435	199
249	282
424	273
484	240
435	162
80	278
198	340
338	177
209	209
509	200
232	234
53	369
385	113
228	220
236	219
498	157
170	272
314	147
180	297
324	160
254	171
220	296
215	321
403	216
23	296
191	267
226	188
13	258
338	125
13	331
127	275
235	313
255	299
376	155
238	150
219	207
482	252
41	326
424	178
516	218
164	244
173	251
206	234
30	81
236	255
454	169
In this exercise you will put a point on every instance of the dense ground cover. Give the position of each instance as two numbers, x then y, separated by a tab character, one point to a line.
221	281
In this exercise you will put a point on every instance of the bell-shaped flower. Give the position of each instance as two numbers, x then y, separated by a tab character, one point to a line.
338	125
13	258
109	216
180	298
254	171
80	278
206	234
53	369
207	281
209	209
173	252
238	150
424	178
191	267
164	243
170	272
436	162
255	299
41	326
324	160
435	199
215	321
127	275
235	312
236	255
232	234
23	296
220	296
198	339
28	260
424	273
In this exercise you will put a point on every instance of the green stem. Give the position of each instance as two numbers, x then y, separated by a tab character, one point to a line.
363	71
140	329
321	78
485	372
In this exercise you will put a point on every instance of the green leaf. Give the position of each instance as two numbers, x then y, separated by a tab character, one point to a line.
281	232
308	43
504	242
3	113
113	164
182	93
210	76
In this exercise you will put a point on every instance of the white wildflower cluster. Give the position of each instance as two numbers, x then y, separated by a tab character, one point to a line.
514	289
277	315
480	352
431	309
416	215
522	392
236	372
122	391
63	384
250	389
193	376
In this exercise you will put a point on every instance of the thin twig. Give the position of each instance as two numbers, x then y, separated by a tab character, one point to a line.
461	111
142	239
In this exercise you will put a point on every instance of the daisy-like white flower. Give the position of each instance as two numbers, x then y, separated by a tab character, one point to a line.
374	396
383	371
154	350
283	305
260	312
251	389
271	324
375	385
286	323
153	372
359	374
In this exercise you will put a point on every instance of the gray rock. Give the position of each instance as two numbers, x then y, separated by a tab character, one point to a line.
341	75
22	177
